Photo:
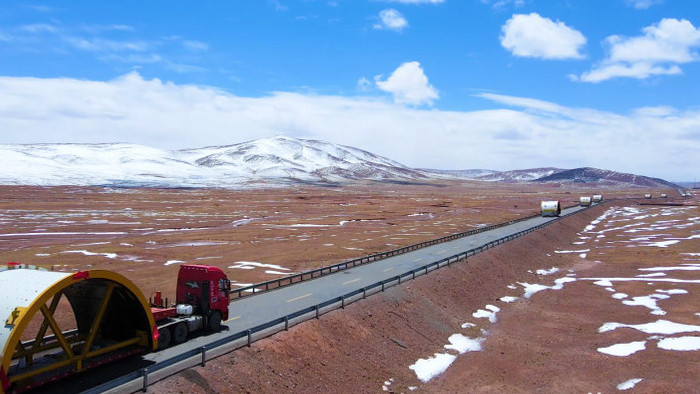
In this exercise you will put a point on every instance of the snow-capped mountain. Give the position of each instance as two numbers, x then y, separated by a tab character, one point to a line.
460	174
284	157
277	160
519	175
273	159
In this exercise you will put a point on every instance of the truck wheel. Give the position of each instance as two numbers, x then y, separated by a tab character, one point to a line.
180	332
215	322
164	338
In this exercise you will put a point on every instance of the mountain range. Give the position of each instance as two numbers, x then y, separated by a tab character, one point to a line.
277	160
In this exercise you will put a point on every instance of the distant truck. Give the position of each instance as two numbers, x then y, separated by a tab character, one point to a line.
648	195
664	195
551	208
585	201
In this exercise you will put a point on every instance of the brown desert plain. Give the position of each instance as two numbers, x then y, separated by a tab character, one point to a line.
604	300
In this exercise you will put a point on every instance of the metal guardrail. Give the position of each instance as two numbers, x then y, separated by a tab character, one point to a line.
141	379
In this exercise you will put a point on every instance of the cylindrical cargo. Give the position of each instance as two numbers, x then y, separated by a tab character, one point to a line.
551	208
184	309
597	198
585	201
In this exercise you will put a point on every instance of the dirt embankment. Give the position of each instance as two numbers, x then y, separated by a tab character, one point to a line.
369	346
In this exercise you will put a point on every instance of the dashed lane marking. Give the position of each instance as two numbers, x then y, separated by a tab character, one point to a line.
298	298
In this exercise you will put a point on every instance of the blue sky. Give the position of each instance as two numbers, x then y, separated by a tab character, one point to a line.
452	84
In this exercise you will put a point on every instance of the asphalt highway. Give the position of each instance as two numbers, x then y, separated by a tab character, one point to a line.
252	311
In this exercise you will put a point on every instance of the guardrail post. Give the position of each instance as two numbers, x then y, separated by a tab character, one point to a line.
399	279
364	293
250	337
342	302
382	285
286	323
145	379
204	355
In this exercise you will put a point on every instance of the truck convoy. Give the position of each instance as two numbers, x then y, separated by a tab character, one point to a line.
114	320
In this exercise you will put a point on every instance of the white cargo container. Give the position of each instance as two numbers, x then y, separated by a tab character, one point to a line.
551	208
585	201
597	198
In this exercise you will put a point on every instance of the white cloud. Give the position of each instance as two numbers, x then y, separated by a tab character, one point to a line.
416	1
520	133
534	36
659	51
106	45
37	28
390	19
364	84
642	4
195	46
504	3
409	85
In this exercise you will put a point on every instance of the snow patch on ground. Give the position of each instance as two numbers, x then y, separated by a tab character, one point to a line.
463	344
428	368
664	327
683	344
572	251
249	265
86	253
490	313
547	272
629	384
623	349
531	289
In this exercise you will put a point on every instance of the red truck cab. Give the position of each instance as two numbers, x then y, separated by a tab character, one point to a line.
204	287
201	303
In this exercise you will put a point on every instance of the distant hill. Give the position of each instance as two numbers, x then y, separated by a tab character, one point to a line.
520	175
587	175
271	161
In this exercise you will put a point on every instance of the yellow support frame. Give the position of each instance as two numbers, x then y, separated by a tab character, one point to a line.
70	345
